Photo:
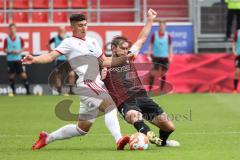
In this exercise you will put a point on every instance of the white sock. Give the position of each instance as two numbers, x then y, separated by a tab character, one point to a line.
68	131
112	123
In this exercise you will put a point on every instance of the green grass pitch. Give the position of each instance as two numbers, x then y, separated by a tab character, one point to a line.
207	126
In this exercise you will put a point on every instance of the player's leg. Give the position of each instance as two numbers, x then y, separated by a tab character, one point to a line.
71	80
111	121
237	73
21	70
65	132
155	115
132	114
11	77
58	83
163	70
85	121
153	73
236	79
166	126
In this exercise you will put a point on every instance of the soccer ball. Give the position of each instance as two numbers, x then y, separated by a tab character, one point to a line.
138	141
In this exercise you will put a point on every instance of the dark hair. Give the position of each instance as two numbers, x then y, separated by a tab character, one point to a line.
11	25
116	41
77	17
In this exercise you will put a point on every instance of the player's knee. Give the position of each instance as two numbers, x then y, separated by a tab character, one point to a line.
72	74
171	127
84	126
23	75
133	116
107	105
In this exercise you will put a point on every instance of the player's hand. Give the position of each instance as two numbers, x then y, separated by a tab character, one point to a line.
28	59
151	14
103	73
131	56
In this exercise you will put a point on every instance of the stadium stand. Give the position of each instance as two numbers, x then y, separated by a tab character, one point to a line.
20	17
1	17
43	4
60	17
2	4
40	17
170	8
122	11
79	4
20	4
60	4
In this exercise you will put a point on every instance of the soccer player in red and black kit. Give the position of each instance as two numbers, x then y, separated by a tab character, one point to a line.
129	94
13	47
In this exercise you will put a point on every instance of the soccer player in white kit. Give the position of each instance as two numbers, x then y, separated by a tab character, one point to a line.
82	52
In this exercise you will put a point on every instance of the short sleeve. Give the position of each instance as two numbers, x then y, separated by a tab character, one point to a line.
64	47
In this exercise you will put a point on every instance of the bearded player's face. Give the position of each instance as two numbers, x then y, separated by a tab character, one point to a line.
122	48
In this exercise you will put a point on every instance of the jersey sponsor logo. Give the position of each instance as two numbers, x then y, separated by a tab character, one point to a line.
120	69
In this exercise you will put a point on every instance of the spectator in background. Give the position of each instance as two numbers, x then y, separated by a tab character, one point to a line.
13	47
160	53
61	62
236	51
233	11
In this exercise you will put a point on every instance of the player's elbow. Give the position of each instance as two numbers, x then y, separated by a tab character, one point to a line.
106	63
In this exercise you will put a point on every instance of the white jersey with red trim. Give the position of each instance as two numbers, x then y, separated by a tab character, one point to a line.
78	52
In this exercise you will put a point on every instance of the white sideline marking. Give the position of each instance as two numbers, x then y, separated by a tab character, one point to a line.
102	134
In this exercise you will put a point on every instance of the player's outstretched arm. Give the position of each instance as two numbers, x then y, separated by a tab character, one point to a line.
142	37
44	58
112	61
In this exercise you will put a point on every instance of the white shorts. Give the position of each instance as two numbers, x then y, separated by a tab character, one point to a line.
91	96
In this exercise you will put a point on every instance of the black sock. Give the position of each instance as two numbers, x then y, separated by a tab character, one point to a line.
59	89
164	136
162	82
151	80
141	127
12	85
235	84
26	84
71	90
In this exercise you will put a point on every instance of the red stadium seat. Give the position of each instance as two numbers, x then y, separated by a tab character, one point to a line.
1	17
60	17
20	4
40	17
2	4
60	3
20	17
40	3
79	3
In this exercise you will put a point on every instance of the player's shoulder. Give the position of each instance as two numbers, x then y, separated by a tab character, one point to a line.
67	40
90	39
